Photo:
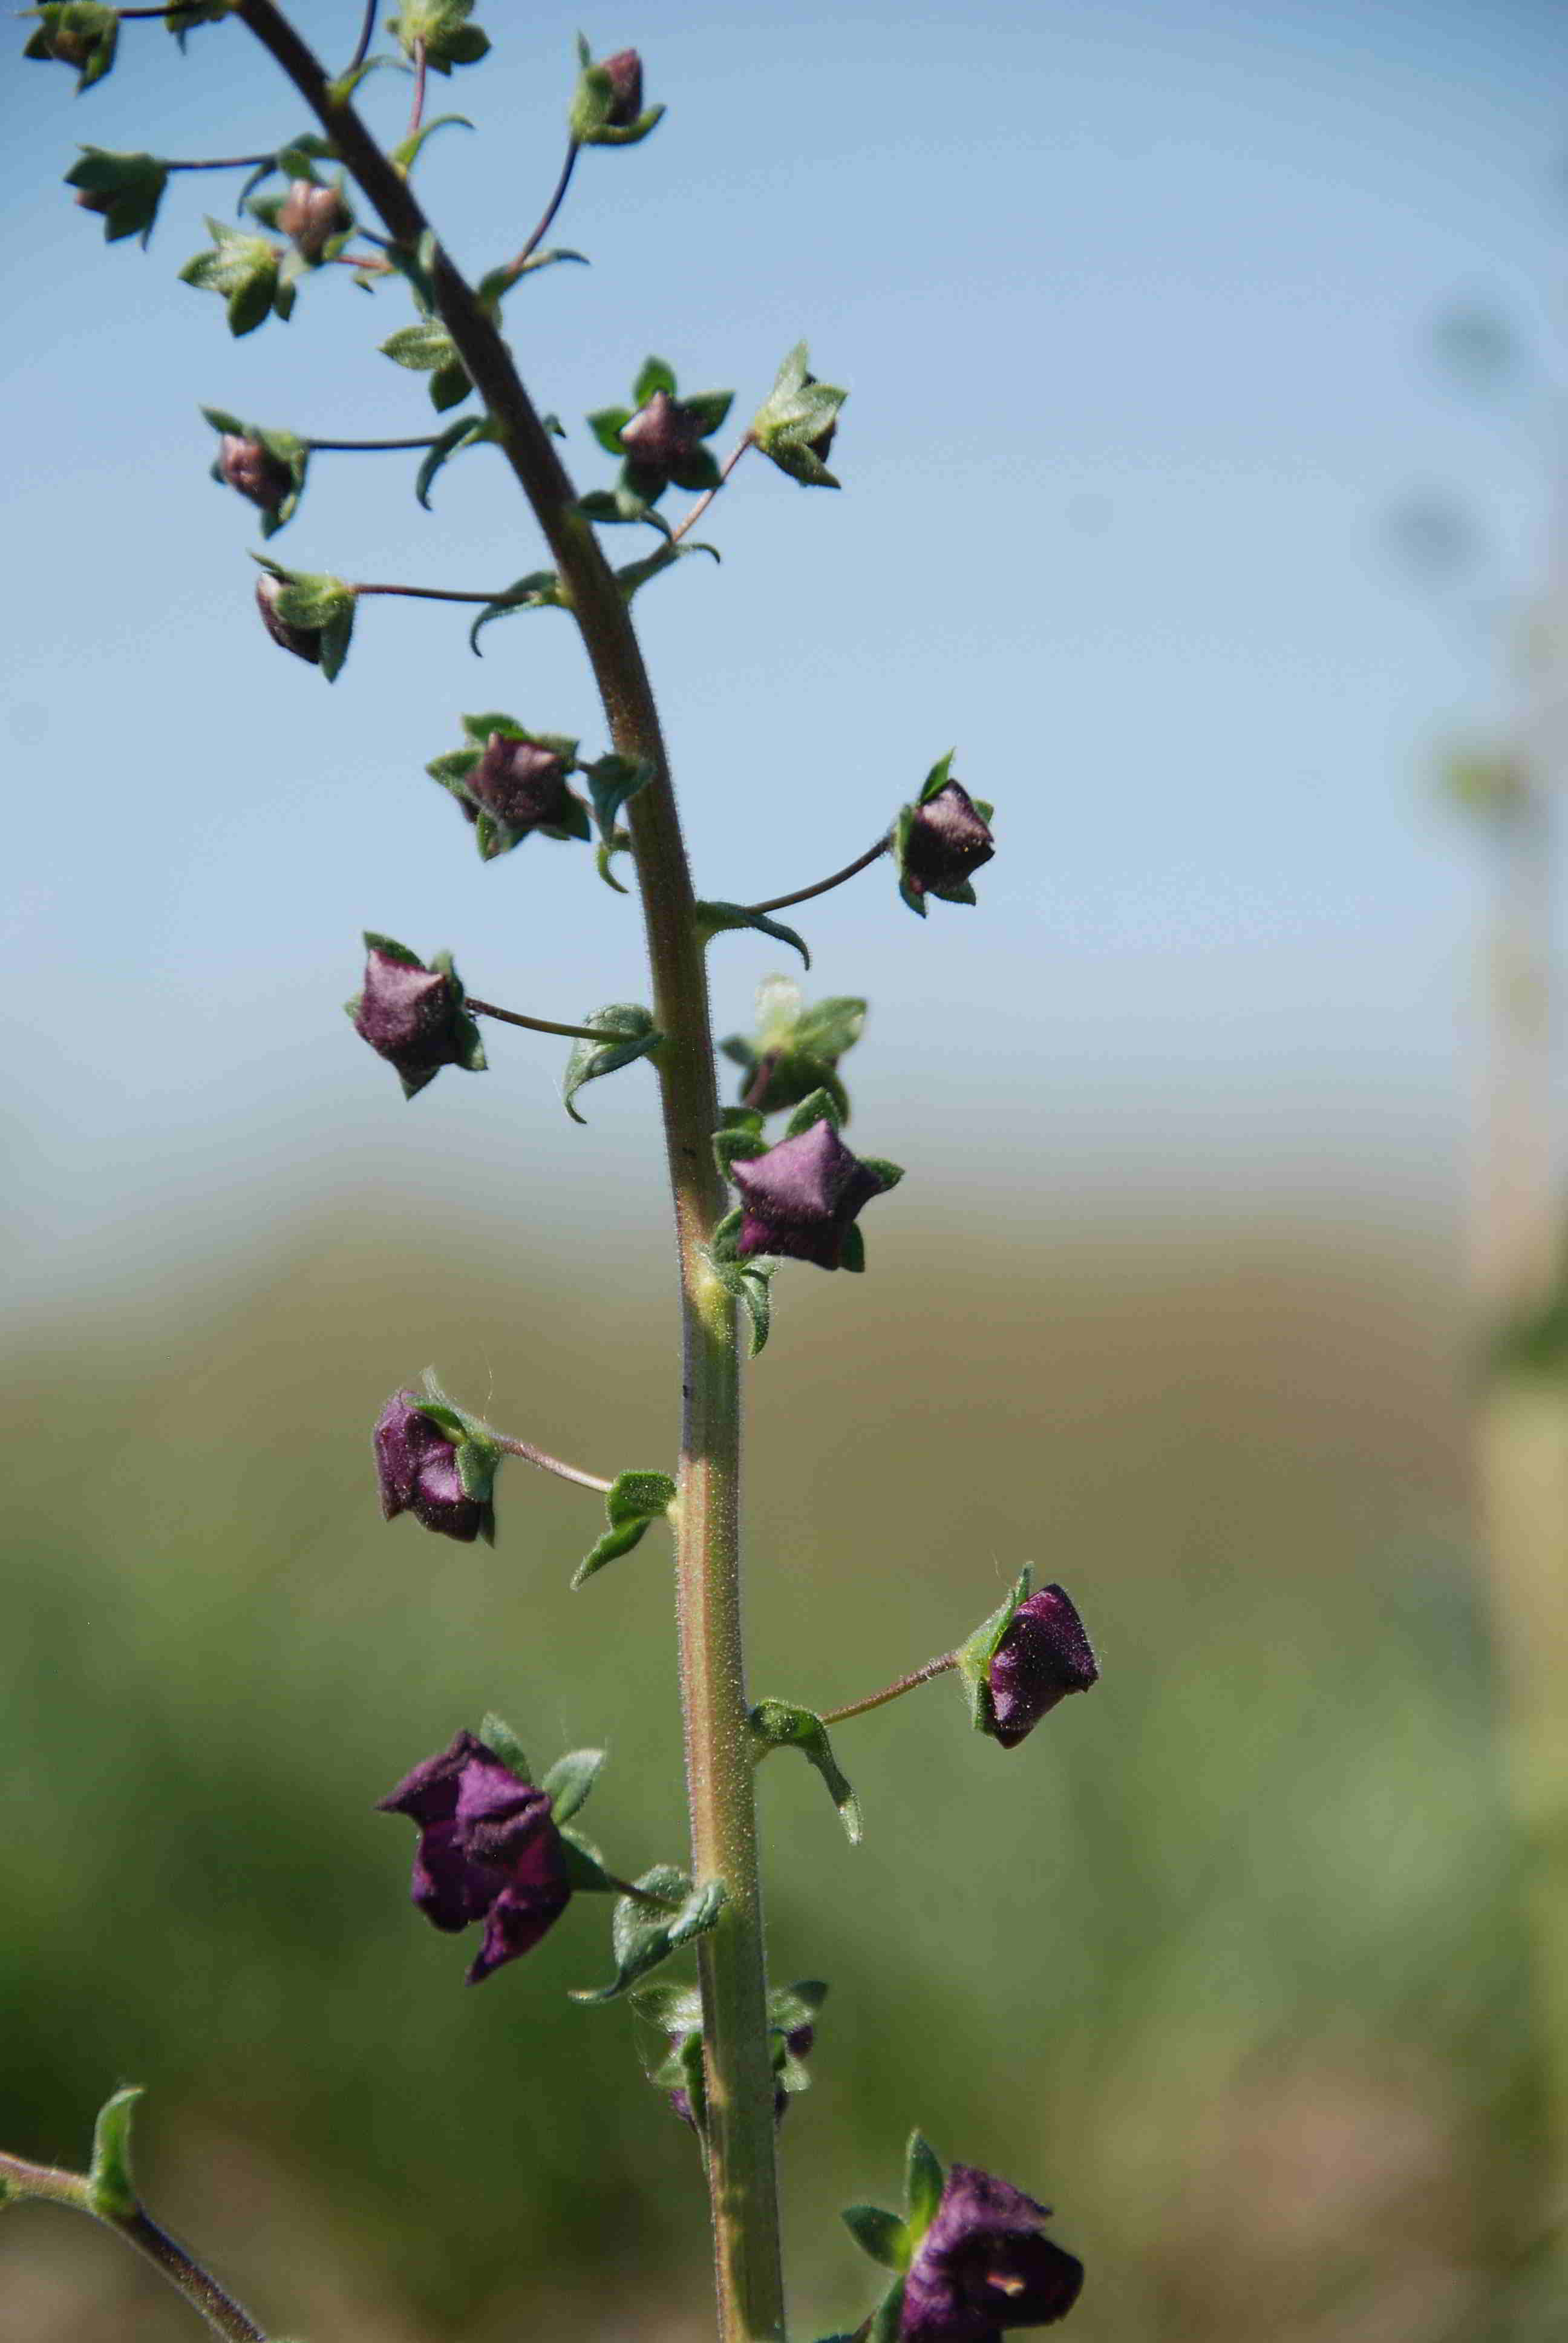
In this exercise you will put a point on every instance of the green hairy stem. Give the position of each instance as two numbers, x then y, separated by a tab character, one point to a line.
718	1746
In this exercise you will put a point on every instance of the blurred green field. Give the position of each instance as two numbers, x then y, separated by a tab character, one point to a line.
1227	1963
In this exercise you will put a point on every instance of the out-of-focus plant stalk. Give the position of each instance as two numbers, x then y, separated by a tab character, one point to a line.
719	1750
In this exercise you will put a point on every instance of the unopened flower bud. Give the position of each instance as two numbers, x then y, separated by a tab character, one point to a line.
310	217
663	434
985	2265
523	784
488	1850
418	1468
251	468
801	1198
625	71
1044	1654
413	1016
946	838
304	642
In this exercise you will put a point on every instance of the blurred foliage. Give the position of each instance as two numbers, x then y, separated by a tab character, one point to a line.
1226	1963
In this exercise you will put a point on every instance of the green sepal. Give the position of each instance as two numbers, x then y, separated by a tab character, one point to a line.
881	2235
316	600
937	780
630	1034
612	505
449	385
244	270
133	186
443	25
740	1140
720	919
607	423
392	947
797	412
780	1724
749	1282
853	1249
888	2318
468	431
793	2005
673	2009
818	1106
902	826
183	16
889	1174
642	1937
985	809
612	779
654	374
405	154
634	575
111	2193
634	1502
975	1656
498	1738
584	1866
539	591
593	102
77	32
923	2183
803	1045
722	1243
571	1781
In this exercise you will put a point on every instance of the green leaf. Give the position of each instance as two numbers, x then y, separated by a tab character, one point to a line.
539	591
634	575
422	348
403	156
749	1282
937	779
790	2006
569	1781
780	1724
720	919
630	1034
642	1936
111	2193
888	2318
449	385
673	2009
611	780
881	2235
498	1735
975	1656
633	1503
923	2181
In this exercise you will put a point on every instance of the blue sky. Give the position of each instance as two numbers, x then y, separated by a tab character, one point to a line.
1134	303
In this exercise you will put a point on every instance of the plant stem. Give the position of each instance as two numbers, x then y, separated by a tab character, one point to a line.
366	35
548	1463
416	113
533	1024
222	2313
366	447
742	2165
225	163
431	593
893	1690
516	268
700	506
804	894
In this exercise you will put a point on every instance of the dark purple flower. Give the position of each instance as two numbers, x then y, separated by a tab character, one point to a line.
304	642
625	73
662	435
413	1016
984	2265
524	785
252	469
1043	1656
801	1198
948	838
488	1850
310	217
416	1463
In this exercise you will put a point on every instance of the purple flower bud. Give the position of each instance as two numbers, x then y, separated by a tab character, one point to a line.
251	467
304	642
310	217
801	1198
488	1850
416	1464
984	2265
523	785
1044	1654
946	840
414	1018
662	435
625	73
